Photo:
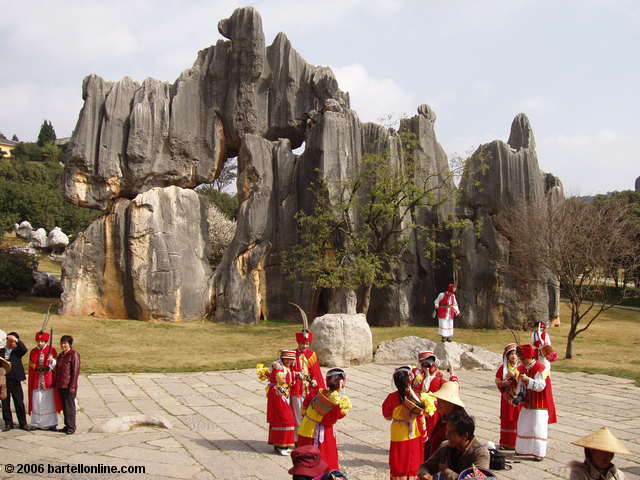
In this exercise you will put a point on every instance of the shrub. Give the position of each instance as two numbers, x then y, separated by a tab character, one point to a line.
16	272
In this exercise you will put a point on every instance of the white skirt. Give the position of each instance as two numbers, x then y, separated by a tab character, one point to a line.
533	432
445	327
43	409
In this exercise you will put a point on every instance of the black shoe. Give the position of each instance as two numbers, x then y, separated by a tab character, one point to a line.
7	428
26	427
69	432
448	339
444	339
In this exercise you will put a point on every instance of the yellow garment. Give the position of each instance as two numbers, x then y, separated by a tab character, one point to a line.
429	402
402	426
318	408
262	372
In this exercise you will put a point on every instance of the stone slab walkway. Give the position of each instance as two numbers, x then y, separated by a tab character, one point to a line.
219	429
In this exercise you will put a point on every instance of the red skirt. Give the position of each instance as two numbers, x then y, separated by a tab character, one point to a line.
508	422
283	436
551	406
328	448
405	458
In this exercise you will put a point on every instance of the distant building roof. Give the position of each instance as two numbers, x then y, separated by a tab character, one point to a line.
5	141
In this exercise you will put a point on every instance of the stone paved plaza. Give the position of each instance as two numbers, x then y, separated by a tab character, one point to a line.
219	429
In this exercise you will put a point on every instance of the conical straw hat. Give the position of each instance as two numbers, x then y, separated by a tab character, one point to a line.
603	440
449	392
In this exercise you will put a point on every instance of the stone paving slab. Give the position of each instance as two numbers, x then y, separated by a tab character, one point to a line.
219	429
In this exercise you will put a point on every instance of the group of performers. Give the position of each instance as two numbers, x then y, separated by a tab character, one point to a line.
302	405
431	435
52	383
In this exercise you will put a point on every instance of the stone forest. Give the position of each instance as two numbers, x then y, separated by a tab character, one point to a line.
139	150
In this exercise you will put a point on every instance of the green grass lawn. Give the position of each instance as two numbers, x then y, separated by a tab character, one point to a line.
114	345
44	264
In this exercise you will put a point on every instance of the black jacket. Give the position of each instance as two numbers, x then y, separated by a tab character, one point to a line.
17	370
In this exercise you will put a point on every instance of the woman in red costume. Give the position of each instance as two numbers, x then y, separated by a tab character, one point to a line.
44	400
321	414
507	382
282	424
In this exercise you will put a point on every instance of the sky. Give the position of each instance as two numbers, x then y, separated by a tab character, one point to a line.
569	65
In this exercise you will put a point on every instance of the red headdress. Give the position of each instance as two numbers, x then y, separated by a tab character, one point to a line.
290	354
451	288
527	351
42	337
424	355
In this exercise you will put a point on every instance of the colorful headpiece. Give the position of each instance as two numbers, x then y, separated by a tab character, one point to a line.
304	336
509	348
424	355
42	336
527	351
290	354
336	371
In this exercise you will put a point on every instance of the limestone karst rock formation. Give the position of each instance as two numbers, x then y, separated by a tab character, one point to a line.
139	149
497	176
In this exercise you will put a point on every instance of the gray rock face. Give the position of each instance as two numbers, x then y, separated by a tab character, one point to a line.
57	240
479	358
145	259
638	184
403	350
130	137
342	340
498	176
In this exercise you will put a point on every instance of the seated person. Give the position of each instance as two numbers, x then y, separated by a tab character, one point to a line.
461	451
599	449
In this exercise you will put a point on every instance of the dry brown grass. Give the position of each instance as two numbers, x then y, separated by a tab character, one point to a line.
610	346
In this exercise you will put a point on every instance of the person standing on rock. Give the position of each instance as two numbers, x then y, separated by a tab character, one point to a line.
446	306
308	379
44	400
13	353
533	422
507	382
282	424
321	414
66	381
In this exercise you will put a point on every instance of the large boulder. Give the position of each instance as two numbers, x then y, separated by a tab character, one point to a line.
38	238
23	230
146	259
479	358
403	350
46	285
449	354
342	340
57	241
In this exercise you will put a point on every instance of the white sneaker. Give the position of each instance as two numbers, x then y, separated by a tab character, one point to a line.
285	453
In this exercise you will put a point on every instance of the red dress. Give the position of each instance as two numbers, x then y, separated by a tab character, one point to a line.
406	448
508	416
317	427
307	364
282	425
34	376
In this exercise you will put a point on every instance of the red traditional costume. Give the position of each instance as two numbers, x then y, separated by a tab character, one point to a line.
321	413
428	379
44	400
533	422
541	341
308	379
280	417
446	310
507	380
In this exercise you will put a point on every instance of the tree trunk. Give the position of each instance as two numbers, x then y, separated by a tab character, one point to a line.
366	298
568	354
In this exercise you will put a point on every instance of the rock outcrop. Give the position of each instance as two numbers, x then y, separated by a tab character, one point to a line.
38	238
403	350
498	176
57	240
342	340
146	258
23	230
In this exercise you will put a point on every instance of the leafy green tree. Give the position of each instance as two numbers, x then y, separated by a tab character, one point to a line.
228	175
359	228
15	138
47	134
51	152
27	152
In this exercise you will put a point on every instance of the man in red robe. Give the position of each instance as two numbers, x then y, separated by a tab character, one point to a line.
308	379
44	400
282	424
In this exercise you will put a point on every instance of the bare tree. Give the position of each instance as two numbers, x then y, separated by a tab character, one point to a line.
579	243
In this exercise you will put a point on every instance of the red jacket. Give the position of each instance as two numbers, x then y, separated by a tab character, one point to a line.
67	370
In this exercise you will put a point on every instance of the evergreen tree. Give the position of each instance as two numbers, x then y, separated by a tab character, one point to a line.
15	138
47	134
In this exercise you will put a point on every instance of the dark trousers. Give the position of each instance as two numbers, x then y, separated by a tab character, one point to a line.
14	390
68	408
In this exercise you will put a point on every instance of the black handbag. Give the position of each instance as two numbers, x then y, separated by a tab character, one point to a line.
497	461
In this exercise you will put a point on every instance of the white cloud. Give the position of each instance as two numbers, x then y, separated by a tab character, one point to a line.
374	98
588	163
